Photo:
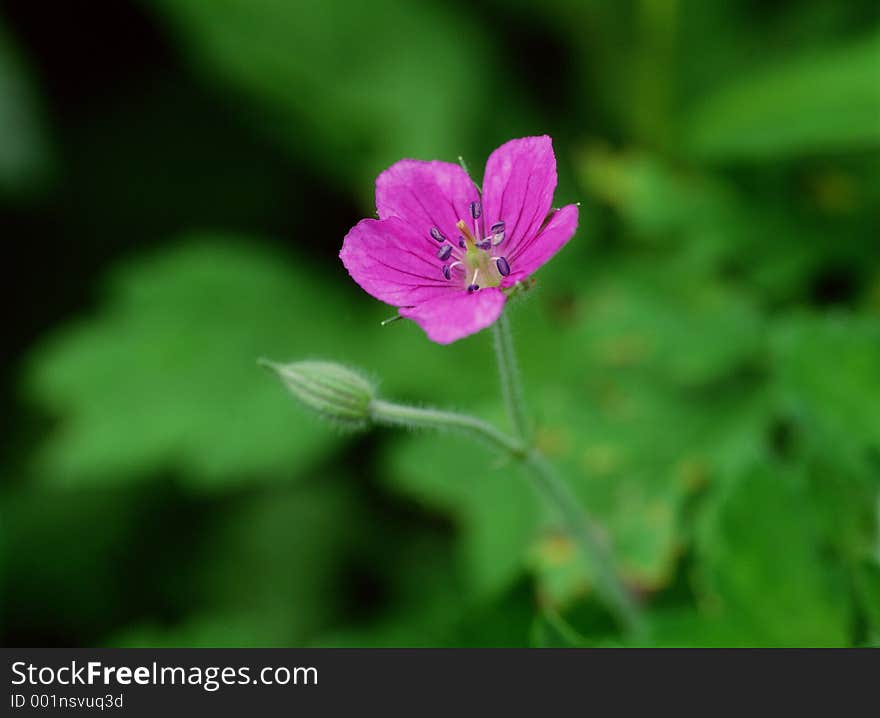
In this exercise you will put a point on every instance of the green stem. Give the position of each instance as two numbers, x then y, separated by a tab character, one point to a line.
508	372
557	493
593	548
548	484
386	412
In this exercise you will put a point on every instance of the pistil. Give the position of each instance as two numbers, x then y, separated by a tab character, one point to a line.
477	257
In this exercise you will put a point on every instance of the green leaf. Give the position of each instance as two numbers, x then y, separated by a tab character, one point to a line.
827	102
828	369
650	401
164	376
653	197
686	336
635	454
644	409
763	568
550	630
867	587
827	377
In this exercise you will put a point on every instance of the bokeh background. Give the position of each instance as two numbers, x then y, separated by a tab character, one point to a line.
702	360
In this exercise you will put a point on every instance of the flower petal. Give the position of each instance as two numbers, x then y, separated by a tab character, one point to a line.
425	195
381	256
455	315
532	253
518	188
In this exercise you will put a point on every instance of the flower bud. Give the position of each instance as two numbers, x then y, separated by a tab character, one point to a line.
337	393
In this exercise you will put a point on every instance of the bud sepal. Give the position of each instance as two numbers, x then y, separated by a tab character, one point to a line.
338	394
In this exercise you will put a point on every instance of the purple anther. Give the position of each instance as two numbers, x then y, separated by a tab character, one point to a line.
473	288
461	243
485	244
437	234
503	266
476	210
444	252
447	272
497	232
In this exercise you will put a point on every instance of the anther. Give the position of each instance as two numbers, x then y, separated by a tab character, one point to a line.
461	243
444	252
476	210
473	288
437	234
497	231
503	266
485	244
447	272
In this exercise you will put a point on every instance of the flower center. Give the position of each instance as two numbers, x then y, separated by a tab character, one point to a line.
475	263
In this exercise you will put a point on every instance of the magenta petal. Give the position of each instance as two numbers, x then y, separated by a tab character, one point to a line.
535	251
389	263
518	187
425	195
453	316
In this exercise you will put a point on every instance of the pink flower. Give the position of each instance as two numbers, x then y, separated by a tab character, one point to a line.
443	253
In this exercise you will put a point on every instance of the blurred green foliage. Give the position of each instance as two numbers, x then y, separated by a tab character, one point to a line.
703	360
25	154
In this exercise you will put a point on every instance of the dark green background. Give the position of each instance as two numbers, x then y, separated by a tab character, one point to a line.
702	361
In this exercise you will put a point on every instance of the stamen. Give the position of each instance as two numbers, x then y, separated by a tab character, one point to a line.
497	231
485	244
476	210
446	271
444	252
503	266
473	288
461	243
437	234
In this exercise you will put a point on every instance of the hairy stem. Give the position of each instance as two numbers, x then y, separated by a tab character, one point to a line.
547	483
557	493
508	372
392	414
586	536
